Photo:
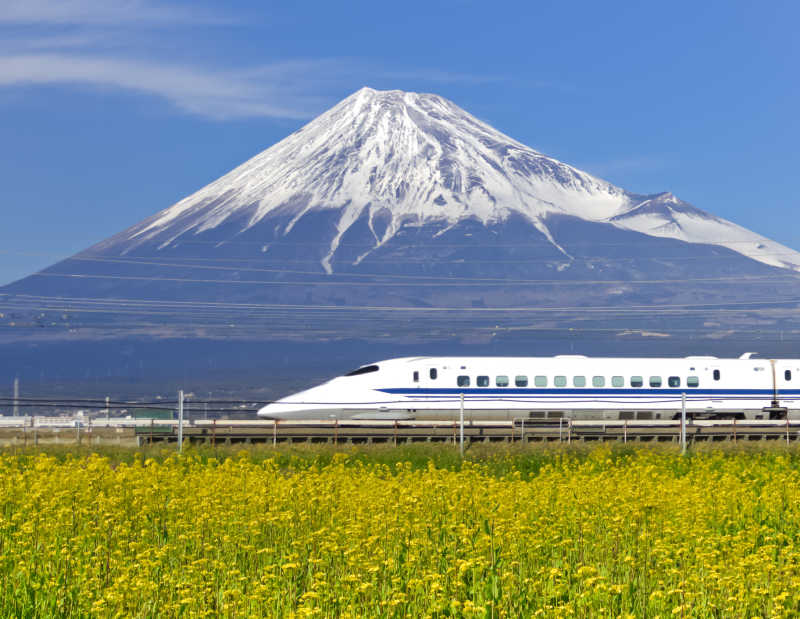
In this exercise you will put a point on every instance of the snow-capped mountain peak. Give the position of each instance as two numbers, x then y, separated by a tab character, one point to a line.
417	159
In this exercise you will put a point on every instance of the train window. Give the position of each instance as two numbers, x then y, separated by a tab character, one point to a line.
521	381
674	381
463	381
560	381
579	381
637	381
540	381
655	381
433	373
501	381
598	381
716	374
787	375
483	381
692	381
365	370
617	381
416	377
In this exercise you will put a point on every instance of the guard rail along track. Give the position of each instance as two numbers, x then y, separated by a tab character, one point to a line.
42	429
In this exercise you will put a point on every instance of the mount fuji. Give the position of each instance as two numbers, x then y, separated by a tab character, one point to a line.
396	159
397	215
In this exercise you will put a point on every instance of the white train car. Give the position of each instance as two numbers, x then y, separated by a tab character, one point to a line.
553	387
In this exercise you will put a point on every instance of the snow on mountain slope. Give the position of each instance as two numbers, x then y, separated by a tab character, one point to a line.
422	159
666	216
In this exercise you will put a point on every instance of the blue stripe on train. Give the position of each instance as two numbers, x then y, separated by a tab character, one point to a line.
644	392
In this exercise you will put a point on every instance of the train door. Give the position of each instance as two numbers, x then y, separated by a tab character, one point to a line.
787	384
714	382
788	376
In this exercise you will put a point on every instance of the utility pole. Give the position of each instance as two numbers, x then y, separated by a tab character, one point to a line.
461	424
180	421
683	423
16	397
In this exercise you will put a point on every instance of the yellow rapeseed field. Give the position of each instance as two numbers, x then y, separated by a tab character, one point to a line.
604	533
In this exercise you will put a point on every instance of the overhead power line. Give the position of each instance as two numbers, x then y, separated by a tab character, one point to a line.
461	284
415	279
284	242
755	304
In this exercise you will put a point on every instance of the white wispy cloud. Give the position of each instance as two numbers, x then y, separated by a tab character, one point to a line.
217	94
51	42
110	44
101	12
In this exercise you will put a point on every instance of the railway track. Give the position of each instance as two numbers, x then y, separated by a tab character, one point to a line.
35	430
399	432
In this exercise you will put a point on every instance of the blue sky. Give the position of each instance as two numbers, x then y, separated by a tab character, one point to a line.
111	110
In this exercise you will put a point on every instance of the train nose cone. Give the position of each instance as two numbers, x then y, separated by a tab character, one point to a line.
283	410
271	411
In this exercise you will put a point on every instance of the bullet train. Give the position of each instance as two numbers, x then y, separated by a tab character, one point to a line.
565	386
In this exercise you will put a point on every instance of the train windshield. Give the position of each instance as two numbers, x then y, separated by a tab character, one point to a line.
363	370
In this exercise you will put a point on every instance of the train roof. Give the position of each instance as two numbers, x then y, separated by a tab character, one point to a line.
455	358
